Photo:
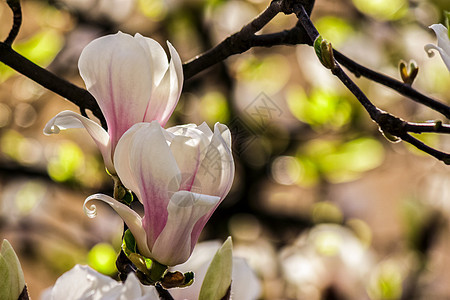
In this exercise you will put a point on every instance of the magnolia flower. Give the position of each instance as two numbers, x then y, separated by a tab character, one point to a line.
180	175
82	282
132	81
443	45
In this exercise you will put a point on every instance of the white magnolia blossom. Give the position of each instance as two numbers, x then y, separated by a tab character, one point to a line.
443	44
132	81
180	175
82	282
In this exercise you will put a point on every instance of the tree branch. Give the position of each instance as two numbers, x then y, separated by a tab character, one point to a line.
79	96
246	38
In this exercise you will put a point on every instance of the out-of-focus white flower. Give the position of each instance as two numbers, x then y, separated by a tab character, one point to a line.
443	45
12	281
132	81
328	255
180	175
82	282
244	284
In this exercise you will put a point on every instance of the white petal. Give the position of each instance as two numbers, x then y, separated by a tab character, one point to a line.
118	73
157	56
206	130
68	119
189	146
82	282
217	168
443	44
174	245
245	285
145	164
129	216
442	35
165	95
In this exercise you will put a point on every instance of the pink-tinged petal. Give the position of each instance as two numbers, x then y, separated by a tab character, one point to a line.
443	45
145	165
118	73
165	95
129	216
68	119
174	244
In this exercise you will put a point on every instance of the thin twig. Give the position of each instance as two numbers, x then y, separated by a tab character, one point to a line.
436	127
400	87
17	21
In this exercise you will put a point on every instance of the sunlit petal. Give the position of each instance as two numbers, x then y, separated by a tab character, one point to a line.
167	91
129	216
68	119
118	73
174	244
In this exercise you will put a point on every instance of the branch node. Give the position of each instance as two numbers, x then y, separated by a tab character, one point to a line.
391	124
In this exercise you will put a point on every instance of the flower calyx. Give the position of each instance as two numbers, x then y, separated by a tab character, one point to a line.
151	272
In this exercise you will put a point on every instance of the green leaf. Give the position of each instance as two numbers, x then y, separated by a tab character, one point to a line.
12	280
218	277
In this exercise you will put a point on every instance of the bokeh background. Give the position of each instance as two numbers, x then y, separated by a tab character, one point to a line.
322	206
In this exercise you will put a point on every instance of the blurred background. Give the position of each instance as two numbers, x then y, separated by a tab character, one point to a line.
322	206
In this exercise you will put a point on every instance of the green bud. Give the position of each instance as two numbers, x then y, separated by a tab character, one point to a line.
324	52
12	280
218	277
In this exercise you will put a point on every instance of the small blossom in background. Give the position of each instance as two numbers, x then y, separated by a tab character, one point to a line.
132	81
180	175
443	45
12	281
328	256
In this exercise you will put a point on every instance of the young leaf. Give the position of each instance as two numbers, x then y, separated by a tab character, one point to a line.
218	277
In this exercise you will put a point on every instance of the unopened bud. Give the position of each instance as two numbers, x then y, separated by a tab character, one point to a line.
12	281
324	52
408	76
